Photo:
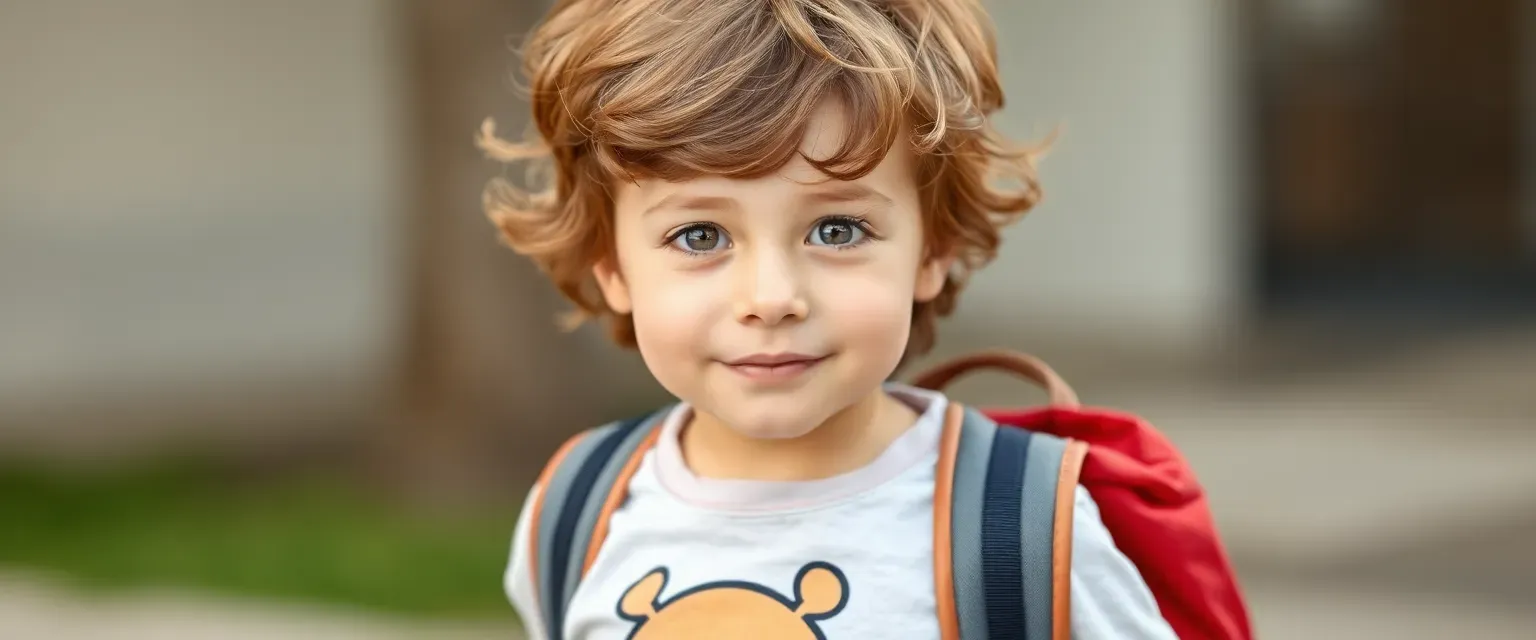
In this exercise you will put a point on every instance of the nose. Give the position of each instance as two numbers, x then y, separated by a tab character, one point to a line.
770	289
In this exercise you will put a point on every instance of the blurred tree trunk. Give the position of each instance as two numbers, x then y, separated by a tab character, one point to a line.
488	384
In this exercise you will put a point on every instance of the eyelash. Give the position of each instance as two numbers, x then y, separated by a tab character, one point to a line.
853	221
856	222
670	243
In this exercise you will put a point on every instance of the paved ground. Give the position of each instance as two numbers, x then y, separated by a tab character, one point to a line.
1391	496
29	609
32	608
1312	613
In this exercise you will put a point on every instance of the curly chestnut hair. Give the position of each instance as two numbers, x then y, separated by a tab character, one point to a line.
672	89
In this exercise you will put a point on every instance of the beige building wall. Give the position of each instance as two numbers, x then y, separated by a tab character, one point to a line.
198	208
201	206
1140	240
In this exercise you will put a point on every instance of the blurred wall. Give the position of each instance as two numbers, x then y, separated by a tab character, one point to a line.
1139	242
489	385
198	210
206	203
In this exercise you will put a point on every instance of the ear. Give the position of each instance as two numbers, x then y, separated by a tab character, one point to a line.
611	282
931	276
821	591
640	601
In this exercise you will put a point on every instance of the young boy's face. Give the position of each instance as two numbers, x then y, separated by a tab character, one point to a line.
771	304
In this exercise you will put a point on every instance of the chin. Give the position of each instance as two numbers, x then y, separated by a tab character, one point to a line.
772	423
774	428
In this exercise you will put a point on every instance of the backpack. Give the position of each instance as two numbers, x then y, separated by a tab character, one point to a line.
1003	504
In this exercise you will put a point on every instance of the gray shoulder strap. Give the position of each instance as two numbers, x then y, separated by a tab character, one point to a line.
1038	531
572	501
1002	533
972	457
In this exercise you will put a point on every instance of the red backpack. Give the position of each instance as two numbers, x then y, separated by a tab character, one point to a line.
1147	496
1002	514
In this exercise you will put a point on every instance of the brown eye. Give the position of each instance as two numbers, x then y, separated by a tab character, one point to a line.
836	232
700	238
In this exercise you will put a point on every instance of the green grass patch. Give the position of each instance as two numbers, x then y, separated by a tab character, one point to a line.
306	539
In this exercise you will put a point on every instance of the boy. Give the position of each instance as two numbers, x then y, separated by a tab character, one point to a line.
773	201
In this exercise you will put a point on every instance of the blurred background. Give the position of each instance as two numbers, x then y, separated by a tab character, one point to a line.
266	372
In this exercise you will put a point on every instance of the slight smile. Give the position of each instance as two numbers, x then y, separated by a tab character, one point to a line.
778	367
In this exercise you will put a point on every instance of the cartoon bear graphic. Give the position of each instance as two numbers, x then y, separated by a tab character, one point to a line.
735	609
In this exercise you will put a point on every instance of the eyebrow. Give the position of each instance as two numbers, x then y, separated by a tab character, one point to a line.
835	192
840	192
685	202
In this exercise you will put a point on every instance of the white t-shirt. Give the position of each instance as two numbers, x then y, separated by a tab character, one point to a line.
851	555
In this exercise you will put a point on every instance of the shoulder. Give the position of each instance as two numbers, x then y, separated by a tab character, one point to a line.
579	470
1110	599
518	579
518	582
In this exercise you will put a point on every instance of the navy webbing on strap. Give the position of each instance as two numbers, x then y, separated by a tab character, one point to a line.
1011	517
570	515
1002	566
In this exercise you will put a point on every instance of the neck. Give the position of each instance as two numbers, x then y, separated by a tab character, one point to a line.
848	440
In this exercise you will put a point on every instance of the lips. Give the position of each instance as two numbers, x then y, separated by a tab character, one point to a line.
774	368
773	359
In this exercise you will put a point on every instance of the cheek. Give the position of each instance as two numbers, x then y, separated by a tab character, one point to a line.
671	311
663	311
670	316
871	308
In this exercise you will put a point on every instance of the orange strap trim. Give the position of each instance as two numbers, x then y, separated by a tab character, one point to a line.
943	549
616	495
1061	546
538	505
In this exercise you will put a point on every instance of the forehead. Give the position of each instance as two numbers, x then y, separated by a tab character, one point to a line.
825	133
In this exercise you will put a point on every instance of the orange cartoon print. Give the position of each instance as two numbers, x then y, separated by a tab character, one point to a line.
735	609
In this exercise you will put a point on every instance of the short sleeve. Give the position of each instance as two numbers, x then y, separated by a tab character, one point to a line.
1110	600
518	580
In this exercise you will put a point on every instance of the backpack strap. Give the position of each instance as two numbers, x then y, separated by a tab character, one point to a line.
1020	364
1003	531
580	488
959	492
1071	467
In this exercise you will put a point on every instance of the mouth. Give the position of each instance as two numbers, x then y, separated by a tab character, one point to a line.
778	367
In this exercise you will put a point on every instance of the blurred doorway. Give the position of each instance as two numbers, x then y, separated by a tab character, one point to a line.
1394	155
